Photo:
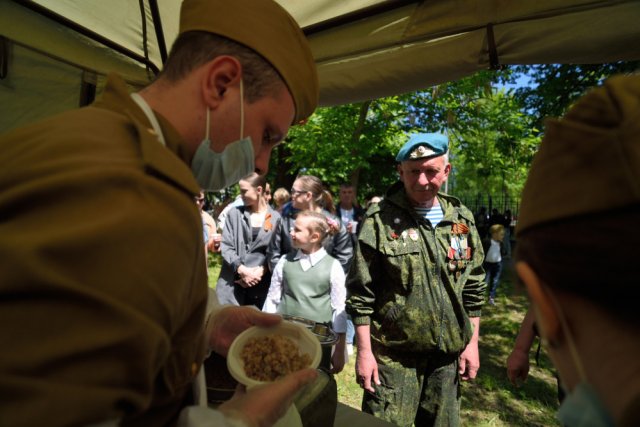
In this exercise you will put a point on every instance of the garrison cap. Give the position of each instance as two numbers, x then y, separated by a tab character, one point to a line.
268	29
588	161
421	145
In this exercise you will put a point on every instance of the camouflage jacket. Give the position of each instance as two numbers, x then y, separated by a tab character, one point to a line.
408	281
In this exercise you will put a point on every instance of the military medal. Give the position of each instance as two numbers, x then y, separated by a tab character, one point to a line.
463	243
459	249
455	248
451	254
413	235
459	228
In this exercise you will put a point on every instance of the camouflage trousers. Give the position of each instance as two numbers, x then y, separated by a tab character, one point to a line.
421	391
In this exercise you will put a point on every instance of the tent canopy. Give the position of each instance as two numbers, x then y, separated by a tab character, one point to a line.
364	49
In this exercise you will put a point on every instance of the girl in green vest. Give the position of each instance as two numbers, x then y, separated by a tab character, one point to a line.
310	283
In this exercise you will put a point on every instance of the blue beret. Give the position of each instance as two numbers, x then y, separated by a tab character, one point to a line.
421	145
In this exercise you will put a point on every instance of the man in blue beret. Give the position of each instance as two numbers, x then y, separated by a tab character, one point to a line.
416	288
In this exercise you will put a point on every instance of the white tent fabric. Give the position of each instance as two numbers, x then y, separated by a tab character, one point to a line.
364	48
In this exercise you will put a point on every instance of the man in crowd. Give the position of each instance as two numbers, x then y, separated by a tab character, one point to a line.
416	288
348	209
103	277
350	215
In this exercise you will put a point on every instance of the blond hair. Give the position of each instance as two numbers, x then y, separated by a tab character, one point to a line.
496	229
281	196
318	223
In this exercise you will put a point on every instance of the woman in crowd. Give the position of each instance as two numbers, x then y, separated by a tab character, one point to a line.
307	193
244	277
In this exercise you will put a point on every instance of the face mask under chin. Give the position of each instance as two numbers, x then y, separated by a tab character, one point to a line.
583	407
216	171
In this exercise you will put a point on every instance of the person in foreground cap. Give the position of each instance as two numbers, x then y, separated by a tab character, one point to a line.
416	288
103	276
577	234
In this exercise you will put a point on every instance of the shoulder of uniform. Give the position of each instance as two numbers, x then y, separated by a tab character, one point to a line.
465	212
373	209
456	204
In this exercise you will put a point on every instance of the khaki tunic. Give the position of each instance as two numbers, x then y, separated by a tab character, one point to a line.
102	274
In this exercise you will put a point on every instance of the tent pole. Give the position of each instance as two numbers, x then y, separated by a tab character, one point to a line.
157	24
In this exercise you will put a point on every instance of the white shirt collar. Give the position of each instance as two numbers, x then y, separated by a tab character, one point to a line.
146	109
311	259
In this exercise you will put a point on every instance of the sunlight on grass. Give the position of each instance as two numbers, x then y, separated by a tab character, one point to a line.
214	264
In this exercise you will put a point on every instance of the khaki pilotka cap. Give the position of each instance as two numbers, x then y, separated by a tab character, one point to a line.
589	161
268	29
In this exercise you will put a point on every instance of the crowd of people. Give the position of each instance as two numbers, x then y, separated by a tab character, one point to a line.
367	275
105	313
414	341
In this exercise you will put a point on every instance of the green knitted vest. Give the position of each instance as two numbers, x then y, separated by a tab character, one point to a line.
307	293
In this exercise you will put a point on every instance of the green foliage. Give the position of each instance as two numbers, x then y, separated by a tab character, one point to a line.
491	153
349	143
493	132
554	87
492	141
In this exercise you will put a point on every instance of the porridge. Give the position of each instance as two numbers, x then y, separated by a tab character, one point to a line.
270	357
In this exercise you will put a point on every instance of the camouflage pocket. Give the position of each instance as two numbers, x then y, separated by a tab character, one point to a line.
403	262
396	399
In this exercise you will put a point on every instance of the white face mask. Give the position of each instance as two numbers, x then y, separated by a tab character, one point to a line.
216	171
583	407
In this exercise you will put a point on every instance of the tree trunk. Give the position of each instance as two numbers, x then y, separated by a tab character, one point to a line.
355	137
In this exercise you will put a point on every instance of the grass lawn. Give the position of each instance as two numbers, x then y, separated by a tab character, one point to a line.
490	400
213	267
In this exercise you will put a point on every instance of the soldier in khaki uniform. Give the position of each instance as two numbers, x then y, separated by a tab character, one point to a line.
577	238
416	288
102	274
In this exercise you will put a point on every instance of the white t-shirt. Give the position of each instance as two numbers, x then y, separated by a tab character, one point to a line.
346	216
493	254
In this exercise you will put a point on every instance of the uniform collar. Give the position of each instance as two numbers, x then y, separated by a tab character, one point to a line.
157	158
450	205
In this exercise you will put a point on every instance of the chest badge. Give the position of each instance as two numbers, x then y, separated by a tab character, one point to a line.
413	234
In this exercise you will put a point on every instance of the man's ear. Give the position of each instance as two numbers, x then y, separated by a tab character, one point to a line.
447	169
547	316
220	74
